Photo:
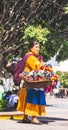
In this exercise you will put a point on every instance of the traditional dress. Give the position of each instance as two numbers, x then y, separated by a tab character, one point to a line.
32	100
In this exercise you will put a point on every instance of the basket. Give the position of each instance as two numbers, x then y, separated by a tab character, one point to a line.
37	84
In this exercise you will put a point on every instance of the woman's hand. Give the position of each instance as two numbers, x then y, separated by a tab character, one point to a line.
21	75
42	63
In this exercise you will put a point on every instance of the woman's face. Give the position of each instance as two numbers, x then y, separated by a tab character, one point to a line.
35	49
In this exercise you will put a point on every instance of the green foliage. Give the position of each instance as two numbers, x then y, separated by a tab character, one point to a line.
0	96
38	33
3	105
63	53
66	9
63	77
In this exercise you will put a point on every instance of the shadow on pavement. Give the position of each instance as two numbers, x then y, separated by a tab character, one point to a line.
51	119
46	120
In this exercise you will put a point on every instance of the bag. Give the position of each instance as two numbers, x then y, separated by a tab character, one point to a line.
19	68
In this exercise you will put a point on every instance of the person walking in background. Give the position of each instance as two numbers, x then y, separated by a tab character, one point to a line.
32	100
65	92
13	101
6	95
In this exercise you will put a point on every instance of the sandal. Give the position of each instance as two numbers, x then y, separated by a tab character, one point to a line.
26	121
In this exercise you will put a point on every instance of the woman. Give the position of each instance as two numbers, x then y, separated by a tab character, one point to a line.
32	100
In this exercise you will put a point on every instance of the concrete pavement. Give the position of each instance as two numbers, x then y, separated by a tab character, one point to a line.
57	117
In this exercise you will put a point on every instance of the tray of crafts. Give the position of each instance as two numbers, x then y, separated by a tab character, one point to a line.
37	84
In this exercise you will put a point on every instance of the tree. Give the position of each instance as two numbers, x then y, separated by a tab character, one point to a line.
63	77
37	33
15	15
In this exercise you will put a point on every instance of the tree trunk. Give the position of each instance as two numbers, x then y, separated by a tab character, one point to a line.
3	72
1	55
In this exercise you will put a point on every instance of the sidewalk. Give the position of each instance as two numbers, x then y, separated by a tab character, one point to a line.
57	117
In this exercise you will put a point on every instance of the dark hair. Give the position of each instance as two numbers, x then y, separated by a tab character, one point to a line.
8	92
32	44
16	91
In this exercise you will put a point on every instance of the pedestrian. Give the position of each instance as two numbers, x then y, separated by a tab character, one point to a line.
32	100
65	92
13	101
6	95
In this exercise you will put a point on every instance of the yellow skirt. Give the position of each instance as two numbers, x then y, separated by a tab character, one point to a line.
28	108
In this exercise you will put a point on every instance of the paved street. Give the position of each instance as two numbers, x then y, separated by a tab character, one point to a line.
57	117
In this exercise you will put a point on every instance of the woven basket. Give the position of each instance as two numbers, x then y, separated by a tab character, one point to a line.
37	84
